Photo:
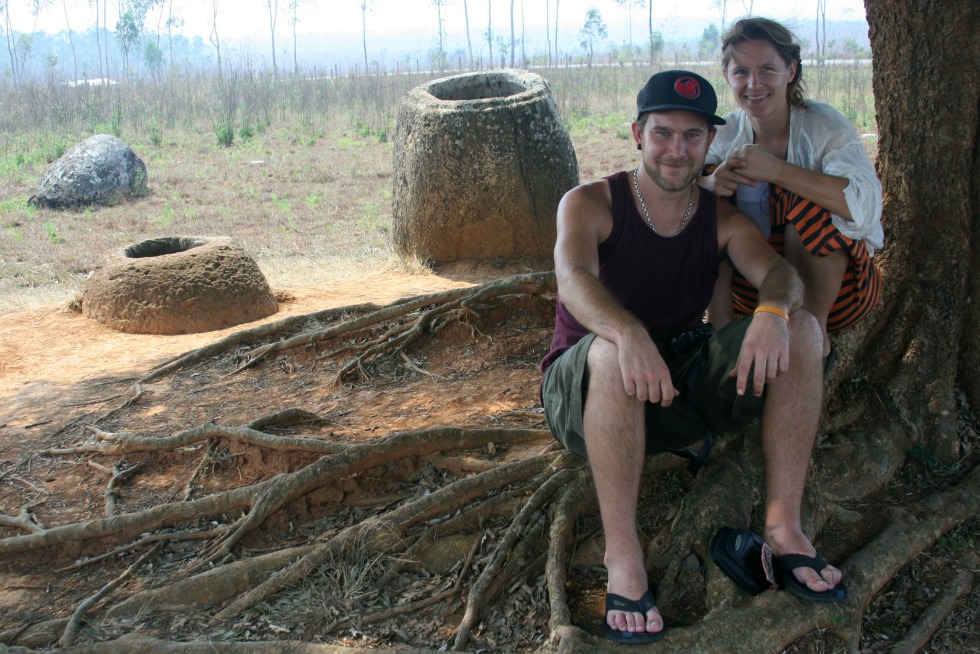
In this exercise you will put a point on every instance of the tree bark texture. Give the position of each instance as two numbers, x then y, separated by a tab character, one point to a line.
921	345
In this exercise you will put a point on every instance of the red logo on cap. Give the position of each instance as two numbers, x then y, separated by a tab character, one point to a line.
687	87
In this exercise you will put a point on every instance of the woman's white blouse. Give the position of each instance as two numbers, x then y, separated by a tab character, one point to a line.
821	139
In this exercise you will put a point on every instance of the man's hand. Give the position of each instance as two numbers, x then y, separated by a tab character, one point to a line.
724	180
765	353
645	373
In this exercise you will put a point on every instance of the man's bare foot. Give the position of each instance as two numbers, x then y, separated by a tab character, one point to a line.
785	541
631	587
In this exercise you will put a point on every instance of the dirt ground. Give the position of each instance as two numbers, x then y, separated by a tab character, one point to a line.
59	371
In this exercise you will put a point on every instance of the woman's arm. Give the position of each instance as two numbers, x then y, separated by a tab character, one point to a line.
758	164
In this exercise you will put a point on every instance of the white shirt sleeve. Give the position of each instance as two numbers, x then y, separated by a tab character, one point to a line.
735	132
822	139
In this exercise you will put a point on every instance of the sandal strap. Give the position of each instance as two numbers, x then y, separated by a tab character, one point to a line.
619	603
789	562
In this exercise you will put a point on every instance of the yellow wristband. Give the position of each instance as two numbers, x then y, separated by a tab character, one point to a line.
762	308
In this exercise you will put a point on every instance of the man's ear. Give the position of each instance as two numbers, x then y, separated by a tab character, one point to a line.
712	132
637	134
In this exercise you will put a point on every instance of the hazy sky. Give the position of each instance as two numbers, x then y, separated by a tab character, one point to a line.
250	18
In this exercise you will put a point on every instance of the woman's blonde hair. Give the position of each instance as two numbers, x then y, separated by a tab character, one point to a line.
765	29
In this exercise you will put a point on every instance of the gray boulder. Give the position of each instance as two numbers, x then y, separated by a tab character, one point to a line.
99	170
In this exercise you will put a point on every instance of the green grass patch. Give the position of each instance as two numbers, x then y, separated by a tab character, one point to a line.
165	218
313	200
14	234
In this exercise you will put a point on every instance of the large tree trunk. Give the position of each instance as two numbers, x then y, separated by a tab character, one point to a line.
922	343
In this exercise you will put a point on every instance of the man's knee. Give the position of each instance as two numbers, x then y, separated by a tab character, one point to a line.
603	359
805	334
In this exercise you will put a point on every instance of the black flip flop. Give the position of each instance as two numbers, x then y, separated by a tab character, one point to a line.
619	603
782	572
738	552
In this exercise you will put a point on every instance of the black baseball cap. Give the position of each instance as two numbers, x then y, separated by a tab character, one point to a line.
678	89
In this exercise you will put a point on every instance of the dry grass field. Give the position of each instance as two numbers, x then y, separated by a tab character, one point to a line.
304	184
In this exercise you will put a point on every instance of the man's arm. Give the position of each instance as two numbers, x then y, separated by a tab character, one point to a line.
766	344
584	221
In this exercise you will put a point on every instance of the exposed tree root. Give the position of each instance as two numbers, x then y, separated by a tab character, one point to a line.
213	587
119	478
144	645
25	520
122	443
927	624
518	515
249	337
263	498
386	530
479	591
71	629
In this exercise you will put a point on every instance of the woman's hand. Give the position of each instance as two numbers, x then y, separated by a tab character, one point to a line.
756	163
725	179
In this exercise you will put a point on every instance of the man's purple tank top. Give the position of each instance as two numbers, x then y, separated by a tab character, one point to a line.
665	282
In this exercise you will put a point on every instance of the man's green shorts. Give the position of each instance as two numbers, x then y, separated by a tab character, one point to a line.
707	402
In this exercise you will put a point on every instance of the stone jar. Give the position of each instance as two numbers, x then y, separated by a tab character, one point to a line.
177	285
481	162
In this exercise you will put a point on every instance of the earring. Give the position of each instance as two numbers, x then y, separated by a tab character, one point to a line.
639	146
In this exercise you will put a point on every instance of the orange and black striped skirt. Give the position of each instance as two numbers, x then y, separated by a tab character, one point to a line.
861	285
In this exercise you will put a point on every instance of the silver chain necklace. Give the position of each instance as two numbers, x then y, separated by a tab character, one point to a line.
646	213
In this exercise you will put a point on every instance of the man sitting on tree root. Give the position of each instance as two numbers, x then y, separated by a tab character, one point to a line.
633	368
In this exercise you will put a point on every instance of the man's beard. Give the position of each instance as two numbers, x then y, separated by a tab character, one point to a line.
668	184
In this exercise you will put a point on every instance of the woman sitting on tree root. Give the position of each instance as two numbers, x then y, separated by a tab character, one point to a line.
799	169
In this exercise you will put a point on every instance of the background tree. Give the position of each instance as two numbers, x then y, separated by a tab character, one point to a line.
820	34
656	47
650	29
547	28
140	10
174	22
512	40
127	36
98	42
710	42
441	53
721	5
466	20
11	39
556	31
489	36
71	40
105	34
293	8
273	7
523	41
20	46
213	32
152	57
631	6
592	31
161	13
365	5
